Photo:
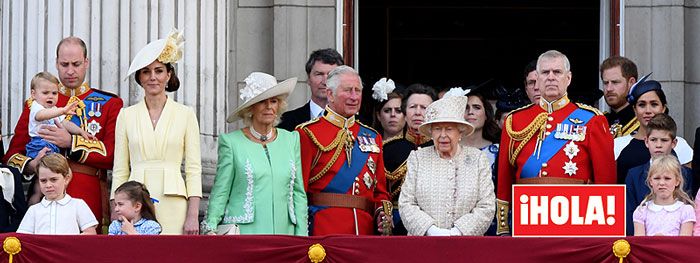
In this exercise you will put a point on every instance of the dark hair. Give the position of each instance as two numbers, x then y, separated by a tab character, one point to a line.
378	108
627	67
327	56
491	131
173	83
137	192
72	40
662	122
417	88
530	67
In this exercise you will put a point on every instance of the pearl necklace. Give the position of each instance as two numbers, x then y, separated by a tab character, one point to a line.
261	137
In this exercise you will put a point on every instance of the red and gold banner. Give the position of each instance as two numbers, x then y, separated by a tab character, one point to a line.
134	249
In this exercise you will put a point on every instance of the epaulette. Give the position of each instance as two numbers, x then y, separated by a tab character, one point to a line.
307	123
367	126
388	140
589	108
28	102
105	93
521	108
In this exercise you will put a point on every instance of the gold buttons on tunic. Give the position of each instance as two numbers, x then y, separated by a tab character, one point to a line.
544	173
544	165
550	118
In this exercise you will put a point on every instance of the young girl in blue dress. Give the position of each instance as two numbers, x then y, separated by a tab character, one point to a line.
134	207
667	210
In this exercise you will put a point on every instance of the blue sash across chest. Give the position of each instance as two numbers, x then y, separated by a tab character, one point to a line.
344	179
93	102
550	145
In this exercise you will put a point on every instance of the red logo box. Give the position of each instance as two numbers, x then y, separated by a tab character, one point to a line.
568	210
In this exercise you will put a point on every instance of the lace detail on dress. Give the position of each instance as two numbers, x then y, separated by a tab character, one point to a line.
248	205
292	176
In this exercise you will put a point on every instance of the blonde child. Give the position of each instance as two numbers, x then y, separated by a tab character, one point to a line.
58	212
134	207
667	210
43	111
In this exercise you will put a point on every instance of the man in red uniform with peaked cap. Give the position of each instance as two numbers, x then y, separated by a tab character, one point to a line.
342	164
97	114
552	142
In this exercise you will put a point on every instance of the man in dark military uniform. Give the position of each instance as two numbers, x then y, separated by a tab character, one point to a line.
552	142
618	75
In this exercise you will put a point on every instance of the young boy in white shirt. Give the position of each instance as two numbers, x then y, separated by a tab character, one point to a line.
58	213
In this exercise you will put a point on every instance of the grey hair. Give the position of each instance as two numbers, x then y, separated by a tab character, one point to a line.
554	54
334	76
462	129
247	114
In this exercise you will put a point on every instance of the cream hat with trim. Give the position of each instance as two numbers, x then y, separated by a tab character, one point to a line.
448	109
261	86
166	50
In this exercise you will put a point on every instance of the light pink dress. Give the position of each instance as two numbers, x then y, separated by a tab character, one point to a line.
663	219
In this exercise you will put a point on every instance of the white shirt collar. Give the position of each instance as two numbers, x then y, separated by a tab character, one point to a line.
315	109
63	201
669	208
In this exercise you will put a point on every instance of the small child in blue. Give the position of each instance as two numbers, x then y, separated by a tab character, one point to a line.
43	112
135	209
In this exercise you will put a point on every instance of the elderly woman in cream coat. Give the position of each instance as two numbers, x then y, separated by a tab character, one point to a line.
448	189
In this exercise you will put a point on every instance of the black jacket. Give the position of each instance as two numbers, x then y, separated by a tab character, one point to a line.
292	118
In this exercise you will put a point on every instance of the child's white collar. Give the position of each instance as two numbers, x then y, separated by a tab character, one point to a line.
668	208
63	201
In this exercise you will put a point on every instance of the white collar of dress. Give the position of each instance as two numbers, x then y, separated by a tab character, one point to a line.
668	208
63	201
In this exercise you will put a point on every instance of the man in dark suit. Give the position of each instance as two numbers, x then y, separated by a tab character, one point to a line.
319	64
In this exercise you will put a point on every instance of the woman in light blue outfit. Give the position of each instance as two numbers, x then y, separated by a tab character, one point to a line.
259	186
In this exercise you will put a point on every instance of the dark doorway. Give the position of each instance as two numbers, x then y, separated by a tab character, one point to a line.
461	43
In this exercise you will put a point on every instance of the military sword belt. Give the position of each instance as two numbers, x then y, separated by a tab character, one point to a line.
83	169
550	180
341	200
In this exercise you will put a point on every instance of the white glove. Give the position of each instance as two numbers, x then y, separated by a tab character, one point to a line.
455	232
436	231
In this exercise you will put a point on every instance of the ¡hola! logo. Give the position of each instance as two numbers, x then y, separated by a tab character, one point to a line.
568	210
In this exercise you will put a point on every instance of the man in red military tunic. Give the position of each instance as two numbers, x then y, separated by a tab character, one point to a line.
342	164
552	142
88	159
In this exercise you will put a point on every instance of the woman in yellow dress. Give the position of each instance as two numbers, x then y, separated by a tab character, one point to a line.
155	135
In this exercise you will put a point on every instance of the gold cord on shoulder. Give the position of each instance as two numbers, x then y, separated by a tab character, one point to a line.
398	173
338	143
396	177
630	127
388	140
523	136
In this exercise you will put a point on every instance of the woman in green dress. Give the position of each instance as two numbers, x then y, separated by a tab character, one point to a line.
259	186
